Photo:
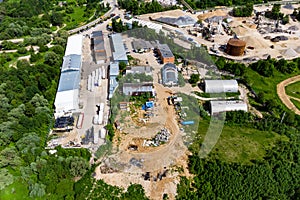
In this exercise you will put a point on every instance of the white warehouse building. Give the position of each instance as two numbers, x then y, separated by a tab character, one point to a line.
225	106
67	95
219	86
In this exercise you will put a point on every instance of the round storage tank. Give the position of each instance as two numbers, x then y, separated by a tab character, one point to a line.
235	47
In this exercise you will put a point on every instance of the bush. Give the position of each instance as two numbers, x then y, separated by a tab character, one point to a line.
22	50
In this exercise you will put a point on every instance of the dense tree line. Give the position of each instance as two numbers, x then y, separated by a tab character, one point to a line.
243	11
267	67
141	7
235	68
196	4
277	177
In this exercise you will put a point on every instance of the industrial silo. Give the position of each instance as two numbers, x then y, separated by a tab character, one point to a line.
235	47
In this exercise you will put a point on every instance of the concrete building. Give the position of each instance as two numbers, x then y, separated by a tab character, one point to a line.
169	75
219	86
165	53
139	70
113	73
118	49
97	42
138	88
224	106
67	96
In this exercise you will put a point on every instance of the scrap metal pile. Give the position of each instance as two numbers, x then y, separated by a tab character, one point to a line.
160	138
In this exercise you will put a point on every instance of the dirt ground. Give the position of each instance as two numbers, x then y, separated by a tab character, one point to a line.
284	97
153	159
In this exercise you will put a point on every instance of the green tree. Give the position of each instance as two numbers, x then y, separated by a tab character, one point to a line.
194	78
51	58
5	178
56	18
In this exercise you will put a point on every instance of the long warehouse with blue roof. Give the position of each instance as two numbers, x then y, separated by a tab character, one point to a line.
67	96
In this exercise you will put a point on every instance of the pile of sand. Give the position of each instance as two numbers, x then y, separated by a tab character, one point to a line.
298	49
213	13
170	13
289	53
255	42
235	23
240	30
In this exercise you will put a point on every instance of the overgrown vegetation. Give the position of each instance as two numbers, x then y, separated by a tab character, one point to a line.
35	17
138	8
196	4
243	11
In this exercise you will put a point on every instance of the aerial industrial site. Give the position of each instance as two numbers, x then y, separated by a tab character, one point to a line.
133	95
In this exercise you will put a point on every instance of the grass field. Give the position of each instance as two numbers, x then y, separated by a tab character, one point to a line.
17	190
267	84
293	90
240	144
76	18
296	103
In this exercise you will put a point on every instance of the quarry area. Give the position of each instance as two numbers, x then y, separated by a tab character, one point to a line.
263	37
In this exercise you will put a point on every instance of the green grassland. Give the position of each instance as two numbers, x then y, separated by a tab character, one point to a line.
267	85
239	144
17	190
293	90
296	103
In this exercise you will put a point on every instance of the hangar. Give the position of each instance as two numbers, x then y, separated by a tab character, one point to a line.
67	95
219	86
169	74
224	106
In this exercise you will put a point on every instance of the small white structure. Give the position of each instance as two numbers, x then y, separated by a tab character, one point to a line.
219	86
224	106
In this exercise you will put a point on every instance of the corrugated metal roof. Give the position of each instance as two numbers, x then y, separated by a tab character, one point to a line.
69	80
130	88
97	34
169	74
224	106
113	84
114	69
219	86
139	70
71	62
165	51
74	45
119	52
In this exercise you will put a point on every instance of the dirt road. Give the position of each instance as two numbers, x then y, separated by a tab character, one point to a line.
284	97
